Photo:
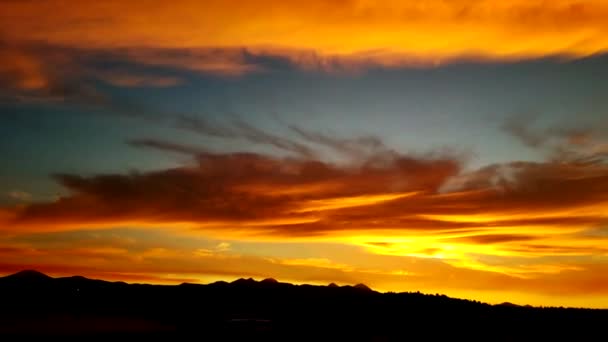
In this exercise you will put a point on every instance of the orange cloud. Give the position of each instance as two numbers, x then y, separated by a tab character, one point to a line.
55	71
131	80
387	203
216	61
21	71
55	58
387	32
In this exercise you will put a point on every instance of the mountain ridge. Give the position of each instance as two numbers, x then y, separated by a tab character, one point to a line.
30	275
37	305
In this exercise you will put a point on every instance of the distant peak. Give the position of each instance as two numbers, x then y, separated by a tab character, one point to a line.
219	282
333	285
270	281
244	281
29	274
509	304
362	287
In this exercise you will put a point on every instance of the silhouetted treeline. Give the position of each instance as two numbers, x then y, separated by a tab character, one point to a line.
33	304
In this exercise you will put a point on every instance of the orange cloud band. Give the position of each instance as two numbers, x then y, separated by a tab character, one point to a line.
46	59
389	205
389	32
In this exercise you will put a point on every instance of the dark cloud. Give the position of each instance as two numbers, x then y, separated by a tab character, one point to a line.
38	71
42	73
520	127
303	196
582	144
495	238
205	127
552	194
233	187
166	146
358	148
369	151
238	129
257	135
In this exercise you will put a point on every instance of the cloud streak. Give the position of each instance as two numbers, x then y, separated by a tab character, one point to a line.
572	144
239	129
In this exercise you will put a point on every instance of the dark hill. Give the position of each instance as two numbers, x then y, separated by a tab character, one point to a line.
269	281
362	287
27	276
35	305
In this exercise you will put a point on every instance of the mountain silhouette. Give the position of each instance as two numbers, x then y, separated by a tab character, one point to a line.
27	276
244	282
362	287
38	306
269	281
508	304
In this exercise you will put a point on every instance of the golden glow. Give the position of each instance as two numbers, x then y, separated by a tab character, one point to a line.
313	33
599	210
350	202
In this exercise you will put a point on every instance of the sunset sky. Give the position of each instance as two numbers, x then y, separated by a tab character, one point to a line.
456	147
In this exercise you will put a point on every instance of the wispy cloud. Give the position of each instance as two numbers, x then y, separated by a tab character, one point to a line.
238	129
47	74
583	144
126	79
20	195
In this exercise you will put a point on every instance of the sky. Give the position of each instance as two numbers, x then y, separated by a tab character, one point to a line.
455	147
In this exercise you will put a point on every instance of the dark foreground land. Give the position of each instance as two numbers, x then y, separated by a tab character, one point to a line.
76	308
